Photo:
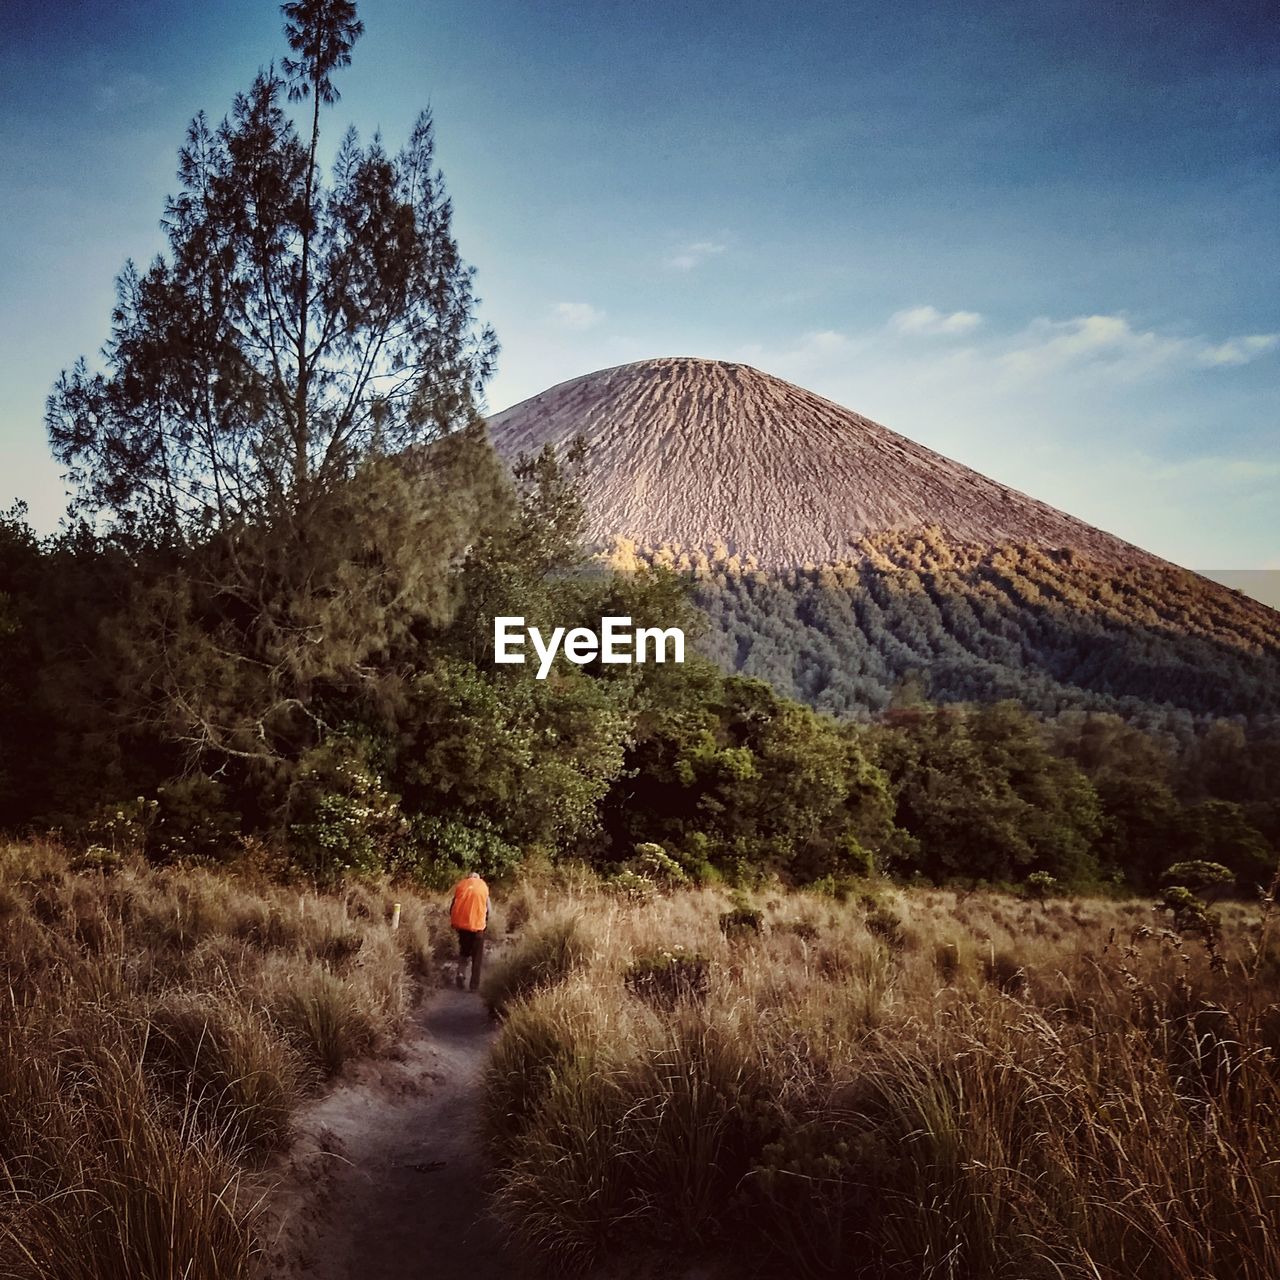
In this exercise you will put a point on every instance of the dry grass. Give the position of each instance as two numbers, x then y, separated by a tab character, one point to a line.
930	1086
160	1027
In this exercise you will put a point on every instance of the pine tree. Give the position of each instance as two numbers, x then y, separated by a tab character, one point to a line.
294	328
287	430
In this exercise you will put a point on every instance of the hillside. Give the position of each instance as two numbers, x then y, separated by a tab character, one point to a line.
700	454
838	559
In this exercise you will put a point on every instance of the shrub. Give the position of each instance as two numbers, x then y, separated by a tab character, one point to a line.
799	928
817	1190
1041	885
231	1063
654	863
565	1190
1189	914
98	857
884	922
839	888
1004	970
741	922
544	954
743	919
325	1019
194	818
1198	875
664	977
123	827
347	822
695	859
627	883
442	848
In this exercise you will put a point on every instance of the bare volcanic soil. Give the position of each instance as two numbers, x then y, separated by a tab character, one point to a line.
716	456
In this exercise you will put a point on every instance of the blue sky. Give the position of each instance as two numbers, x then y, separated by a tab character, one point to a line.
1040	238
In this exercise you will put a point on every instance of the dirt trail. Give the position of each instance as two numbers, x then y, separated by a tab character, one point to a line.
385	1178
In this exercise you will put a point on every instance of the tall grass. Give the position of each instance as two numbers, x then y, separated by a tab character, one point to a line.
924	1085
160	1026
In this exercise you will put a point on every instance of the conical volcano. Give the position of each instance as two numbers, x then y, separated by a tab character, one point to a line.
709	454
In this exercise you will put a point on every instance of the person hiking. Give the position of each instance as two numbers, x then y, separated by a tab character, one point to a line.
469	914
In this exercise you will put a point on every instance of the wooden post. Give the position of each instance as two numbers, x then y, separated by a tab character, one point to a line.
395	915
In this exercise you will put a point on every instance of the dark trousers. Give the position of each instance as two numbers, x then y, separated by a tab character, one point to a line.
471	947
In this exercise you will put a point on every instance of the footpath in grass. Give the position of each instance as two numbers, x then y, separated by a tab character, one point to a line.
386	1174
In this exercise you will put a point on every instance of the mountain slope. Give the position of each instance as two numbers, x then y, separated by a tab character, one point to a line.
705	454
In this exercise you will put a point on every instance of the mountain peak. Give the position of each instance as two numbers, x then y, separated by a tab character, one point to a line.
705	454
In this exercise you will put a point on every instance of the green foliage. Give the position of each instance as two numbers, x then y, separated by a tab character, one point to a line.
443	848
1207	803
534	757
254	647
1041	885
125	827
726	769
982	796
195	817
1198	875
653	860
917	616
1220	831
665	977
654	863
285	447
742	920
346	821
294	329
821	1188
21	724
837	888
627	883
1181	897
1189	913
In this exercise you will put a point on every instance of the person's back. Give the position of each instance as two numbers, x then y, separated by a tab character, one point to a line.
469	915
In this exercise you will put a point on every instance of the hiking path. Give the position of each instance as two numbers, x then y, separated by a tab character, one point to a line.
385	1178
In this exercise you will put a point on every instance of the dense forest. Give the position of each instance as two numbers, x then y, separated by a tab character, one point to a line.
1055	630
137	714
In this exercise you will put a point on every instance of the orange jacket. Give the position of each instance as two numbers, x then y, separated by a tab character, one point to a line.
470	909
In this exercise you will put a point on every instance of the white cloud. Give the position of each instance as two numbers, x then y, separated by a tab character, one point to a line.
1099	348
1237	351
693	255
1215	472
124	90
576	315
1111	343
929	321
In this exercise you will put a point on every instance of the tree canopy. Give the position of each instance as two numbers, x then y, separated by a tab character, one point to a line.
295	327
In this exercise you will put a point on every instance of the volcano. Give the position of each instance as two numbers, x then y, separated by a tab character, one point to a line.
711	455
840	561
